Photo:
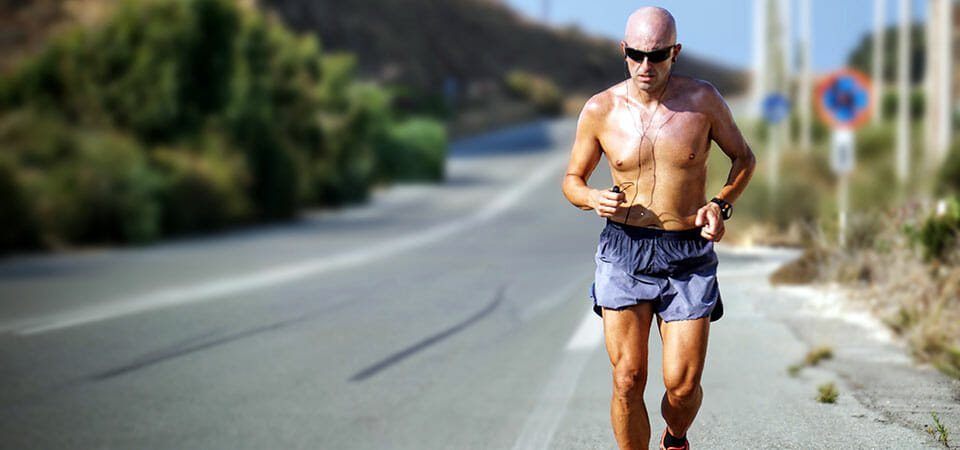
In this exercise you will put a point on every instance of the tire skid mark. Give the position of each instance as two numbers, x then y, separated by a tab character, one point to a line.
401	355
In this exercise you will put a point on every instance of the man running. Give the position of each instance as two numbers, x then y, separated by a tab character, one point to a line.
656	252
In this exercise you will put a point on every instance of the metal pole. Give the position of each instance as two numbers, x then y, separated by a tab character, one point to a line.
903	92
785	10
806	87
759	84
773	149
879	17
931	122
945	92
843	190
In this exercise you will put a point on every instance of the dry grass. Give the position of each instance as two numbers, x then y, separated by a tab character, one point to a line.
917	299
818	354
938	431
827	393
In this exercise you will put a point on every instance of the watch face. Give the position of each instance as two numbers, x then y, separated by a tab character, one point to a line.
725	209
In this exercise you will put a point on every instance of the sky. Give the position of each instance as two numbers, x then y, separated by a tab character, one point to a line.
722	30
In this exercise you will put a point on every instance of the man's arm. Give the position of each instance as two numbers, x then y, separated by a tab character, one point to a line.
583	160
724	131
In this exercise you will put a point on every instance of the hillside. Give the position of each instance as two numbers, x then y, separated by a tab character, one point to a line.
423	43
476	42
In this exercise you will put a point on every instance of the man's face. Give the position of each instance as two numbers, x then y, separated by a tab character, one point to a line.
649	38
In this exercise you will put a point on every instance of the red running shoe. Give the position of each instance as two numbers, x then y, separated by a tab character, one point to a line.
686	445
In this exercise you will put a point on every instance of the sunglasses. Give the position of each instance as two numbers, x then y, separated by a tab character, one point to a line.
654	56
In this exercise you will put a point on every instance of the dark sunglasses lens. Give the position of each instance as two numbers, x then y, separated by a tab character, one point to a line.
659	55
635	54
655	56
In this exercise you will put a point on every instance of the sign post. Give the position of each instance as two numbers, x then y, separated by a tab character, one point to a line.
844	99
775	108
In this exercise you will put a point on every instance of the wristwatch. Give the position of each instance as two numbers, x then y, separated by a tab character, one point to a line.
726	210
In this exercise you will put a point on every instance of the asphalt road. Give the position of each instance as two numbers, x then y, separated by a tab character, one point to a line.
435	317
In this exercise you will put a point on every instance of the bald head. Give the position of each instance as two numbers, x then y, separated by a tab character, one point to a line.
650	28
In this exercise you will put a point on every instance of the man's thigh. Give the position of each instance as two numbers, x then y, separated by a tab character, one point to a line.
627	332
684	348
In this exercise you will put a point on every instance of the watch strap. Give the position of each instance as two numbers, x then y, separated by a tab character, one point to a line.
726	210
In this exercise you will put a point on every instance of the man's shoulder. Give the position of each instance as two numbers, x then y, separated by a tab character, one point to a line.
603	102
695	88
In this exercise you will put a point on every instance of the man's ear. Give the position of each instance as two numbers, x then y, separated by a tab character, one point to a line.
623	48
676	50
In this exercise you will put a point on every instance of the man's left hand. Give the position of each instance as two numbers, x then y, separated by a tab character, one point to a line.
710	218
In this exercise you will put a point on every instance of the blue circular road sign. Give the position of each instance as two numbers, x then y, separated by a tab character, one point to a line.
776	106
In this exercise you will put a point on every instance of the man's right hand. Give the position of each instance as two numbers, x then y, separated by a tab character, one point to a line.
606	203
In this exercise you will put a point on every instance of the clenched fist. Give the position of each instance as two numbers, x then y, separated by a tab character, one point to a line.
606	203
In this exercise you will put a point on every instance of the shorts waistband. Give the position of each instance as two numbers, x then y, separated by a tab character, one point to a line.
656	233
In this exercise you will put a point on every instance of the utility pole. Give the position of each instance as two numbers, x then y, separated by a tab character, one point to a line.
938	99
946	73
777	80
785	9
903	92
759	79
805	88
879	32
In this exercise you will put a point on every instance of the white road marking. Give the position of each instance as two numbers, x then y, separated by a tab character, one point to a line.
555	298
284	274
589	334
542	424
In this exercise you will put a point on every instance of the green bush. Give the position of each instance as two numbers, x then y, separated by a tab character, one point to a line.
413	150
177	116
890	103
948	177
874	143
540	91
16	228
351	119
80	185
202	190
271	114
938	233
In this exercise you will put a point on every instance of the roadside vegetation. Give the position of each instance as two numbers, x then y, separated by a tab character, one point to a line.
902	253
174	117
938	431
901	259
827	393
812	358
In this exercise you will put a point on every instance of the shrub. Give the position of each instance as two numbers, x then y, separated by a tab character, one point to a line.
81	185
948	177
891	103
353	117
413	150
938	233
540	91
827	393
176	116
874	142
202	190
16	228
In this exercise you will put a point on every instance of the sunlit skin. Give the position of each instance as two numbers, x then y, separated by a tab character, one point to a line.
662	174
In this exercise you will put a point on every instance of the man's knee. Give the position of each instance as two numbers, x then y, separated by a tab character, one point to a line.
682	388
629	381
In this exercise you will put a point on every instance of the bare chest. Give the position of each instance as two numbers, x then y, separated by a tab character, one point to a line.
672	139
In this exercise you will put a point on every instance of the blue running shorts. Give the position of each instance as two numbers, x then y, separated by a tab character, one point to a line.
677	270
